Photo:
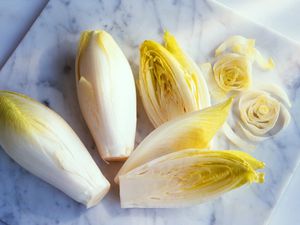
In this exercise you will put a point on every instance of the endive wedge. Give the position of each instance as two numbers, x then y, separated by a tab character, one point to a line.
192	130
187	177
170	83
106	93
44	144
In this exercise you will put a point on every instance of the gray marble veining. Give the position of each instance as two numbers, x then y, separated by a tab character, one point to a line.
43	68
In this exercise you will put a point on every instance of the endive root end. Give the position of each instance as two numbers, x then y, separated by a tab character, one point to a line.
98	197
115	158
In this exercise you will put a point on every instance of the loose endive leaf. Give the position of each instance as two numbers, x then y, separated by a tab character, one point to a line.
106	93
192	130
215	91
170	83
44	144
276	92
246	47
261	115
187	177
232	72
236	139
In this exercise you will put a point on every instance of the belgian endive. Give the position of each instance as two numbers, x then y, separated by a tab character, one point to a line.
187	177
106	93
45	145
170	83
191	130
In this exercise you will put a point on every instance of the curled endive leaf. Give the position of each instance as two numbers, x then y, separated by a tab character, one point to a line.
106	93
170	83
261	115
44	144
192	130
233	72
187	177
246	47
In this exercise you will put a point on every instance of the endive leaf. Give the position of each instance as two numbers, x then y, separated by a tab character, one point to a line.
241	45
261	114
44	144
192	130
233	72
186	178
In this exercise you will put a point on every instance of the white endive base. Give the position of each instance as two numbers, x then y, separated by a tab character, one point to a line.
97	197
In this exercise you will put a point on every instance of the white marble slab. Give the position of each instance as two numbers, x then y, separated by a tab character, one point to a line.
279	15
16	17
42	67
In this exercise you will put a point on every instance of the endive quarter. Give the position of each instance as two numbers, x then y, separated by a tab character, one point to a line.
192	130
106	93
170	83
187	177
45	145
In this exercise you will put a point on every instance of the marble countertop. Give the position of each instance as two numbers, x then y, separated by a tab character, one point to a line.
23	15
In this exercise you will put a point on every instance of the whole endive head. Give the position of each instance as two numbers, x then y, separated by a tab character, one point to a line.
170	83
106	93
44	144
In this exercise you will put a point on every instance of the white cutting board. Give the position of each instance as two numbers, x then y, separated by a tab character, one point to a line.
43	67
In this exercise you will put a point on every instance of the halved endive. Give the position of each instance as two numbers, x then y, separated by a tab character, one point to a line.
192	130
44	144
170	83
187	177
106	93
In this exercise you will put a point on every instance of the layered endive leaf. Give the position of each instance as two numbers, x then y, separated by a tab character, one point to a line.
192	130
170	83
233	72
44	144
106	93
187	177
246	47
260	114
